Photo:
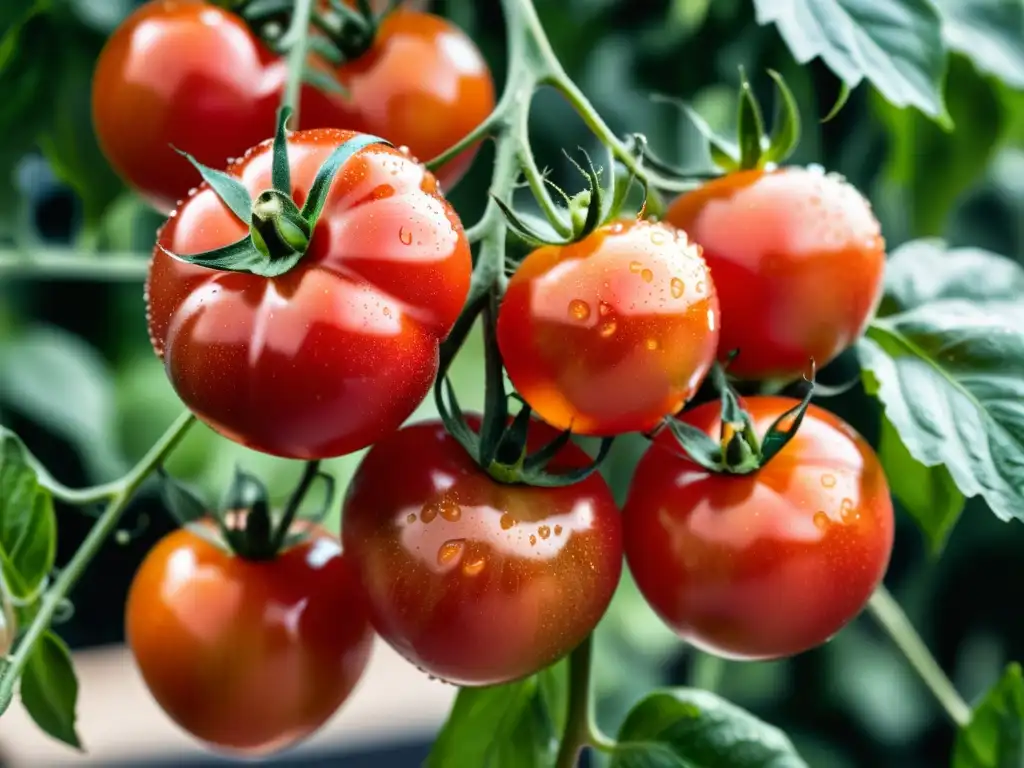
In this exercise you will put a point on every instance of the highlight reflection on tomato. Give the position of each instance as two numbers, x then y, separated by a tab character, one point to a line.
768	564
610	334
474	581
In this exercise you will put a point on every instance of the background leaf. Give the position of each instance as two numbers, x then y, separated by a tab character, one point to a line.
28	526
995	736
49	689
989	32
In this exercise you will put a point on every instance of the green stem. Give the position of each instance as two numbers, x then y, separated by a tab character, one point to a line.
308	476
105	525
580	729
891	617
707	671
296	40
66	264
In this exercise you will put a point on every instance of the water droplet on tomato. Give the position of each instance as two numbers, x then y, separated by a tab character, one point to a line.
473	567
533	540
653	345
450	510
657	237
558	530
544	531
507	521
428	514
646	275
700	288
635	267
405	236
411	518
604	308
607	330
828	481
579	310
450	551
847	511
678	288
387	311
821	520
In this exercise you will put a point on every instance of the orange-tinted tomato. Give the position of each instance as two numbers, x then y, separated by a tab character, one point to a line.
338	351
474	581
764	565
798	260
610	334
189	74
248	656
424	84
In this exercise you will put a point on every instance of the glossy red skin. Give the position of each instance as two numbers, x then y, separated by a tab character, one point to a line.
249	657
765	565
338	351
610	334
798	259
424	84
477	582
188	74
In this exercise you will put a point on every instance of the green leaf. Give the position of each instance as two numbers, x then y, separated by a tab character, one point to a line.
49	689
505	726
988	32
994	738
928	494
689	728
227	187
896	45
28	526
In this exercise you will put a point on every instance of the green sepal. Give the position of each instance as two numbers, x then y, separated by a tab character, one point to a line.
586	209
182	501
323	81
751	126
329	53
495	418
278	229
241	256
521	229
724	154
512	445
697	445
280	172
292	538
775	439
841	99
253	540
229	189
454	419
255	11
541	478
540	458
325	176
785	134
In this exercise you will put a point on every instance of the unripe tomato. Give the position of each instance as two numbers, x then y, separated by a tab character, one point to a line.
248	656
474	581
768	564
613	333
424	84
338	351
798	259
188	74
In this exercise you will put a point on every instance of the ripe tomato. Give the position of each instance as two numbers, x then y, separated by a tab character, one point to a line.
187	73
424	84
248	656
798	259
474	581
336	352
610	334
768	564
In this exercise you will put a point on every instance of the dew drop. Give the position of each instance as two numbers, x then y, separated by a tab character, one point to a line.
847	511
829	481
428	514
473	567
700	288
544	531
533	540
405	236
646	275
387	311
653	345
821	520
411	518
507	521
635	267
579	310
607	330
678	288
604	308
450	551
450	510
558	530
657	237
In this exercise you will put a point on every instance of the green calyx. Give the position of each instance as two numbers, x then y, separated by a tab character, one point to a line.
246	526
739	450
279	231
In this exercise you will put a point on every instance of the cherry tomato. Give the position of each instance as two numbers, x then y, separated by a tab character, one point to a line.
189	74
768	564
474	581
338	351
798	258
424	84
610	334
248	656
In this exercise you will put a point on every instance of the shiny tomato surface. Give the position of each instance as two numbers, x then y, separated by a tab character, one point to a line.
424	84
248	656
798	260
338	351
764	565
188	74
610	334
474	581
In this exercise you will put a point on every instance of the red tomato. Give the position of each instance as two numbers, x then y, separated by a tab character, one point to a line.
768	564
338	351
424	84
474	581
190	74
248	656
610	334
798	259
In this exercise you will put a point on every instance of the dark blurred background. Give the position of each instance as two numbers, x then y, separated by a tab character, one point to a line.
79	383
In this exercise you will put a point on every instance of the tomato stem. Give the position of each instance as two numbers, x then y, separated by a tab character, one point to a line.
296	41
894	621
580	729
309	475
105	525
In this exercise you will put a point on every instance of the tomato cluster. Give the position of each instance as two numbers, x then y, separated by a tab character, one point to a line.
298	299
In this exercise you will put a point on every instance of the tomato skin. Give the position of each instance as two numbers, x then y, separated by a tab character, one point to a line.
424	84
765	565
339	350
476	582
610	334
188	74
248	656
798	259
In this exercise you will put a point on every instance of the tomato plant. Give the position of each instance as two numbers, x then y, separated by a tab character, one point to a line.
475	581
612	333
767	564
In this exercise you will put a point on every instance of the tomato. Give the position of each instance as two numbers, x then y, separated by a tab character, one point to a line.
610	334
798	259
768	564
424	84
248	656
188	74
474	581
339	350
